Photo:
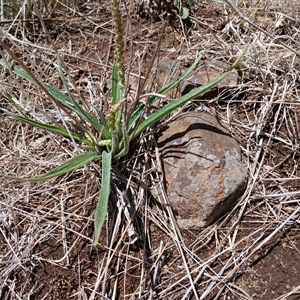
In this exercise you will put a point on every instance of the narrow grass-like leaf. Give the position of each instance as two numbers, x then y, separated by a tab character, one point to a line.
101	208
179	79
106	130
115	142
77	108
66	167
137	113
115	86
14	104
182	100
73	105
58	95
177	103
184	13
18	71
51	128
124	143
116	91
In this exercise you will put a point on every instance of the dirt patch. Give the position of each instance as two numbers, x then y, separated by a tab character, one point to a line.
274	272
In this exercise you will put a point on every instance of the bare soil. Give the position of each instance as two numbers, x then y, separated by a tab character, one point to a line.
46	229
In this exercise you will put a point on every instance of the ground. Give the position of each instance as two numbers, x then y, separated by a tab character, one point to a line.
46	228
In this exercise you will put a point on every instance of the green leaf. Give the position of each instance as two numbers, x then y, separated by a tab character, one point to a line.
177	103
124	146
106	129
179	79
18	71
76	107
137	113
55	129
73	105
184	13
66	167
65	100
101	208
182	100
14	104
115	88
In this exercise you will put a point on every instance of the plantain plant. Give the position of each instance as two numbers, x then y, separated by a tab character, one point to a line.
106	136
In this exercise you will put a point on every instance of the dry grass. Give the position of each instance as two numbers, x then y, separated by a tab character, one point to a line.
143	254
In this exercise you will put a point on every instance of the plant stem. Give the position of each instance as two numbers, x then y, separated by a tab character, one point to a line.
119	50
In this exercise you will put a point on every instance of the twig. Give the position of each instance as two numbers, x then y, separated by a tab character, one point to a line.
238	12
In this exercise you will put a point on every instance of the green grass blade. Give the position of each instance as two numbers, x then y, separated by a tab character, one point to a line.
77	108
20	72
101	208
182	100
179	79
61	97
14	104
137	113
106	129
115	90
177	103
66	167
58	95
74	106
51	128
124	143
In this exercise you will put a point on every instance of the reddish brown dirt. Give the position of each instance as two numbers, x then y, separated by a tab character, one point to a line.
274	270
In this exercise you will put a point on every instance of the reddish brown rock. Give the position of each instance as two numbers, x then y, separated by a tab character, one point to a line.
204	174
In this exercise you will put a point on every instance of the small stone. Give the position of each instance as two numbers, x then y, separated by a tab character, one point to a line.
204	174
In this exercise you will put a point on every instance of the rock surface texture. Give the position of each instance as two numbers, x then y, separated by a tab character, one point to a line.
204	174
